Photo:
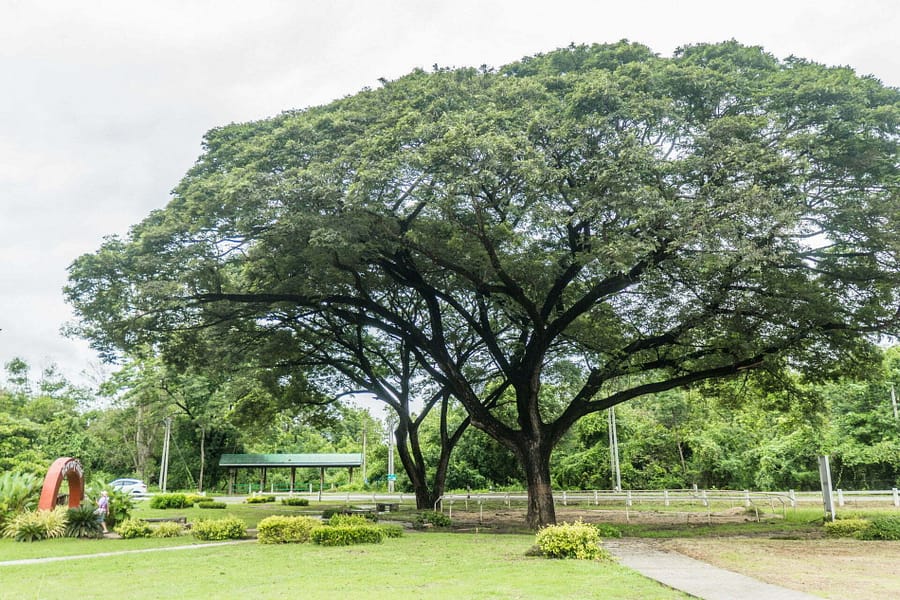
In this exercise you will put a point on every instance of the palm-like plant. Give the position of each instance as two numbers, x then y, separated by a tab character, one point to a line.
32	526
19	491
82	523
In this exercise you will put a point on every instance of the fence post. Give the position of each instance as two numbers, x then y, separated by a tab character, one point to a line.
705	499
597	500
793	498
747	498
840	497
896	497
628	498
666	496
565	500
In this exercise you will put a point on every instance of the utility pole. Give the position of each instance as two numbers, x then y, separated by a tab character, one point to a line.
365	476
894	399
390	476
614	451
164	470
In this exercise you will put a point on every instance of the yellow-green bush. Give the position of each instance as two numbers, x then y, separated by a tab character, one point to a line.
846	527
346	535
279	529
134	528
348	520
571	540
259	499
229	528
167	530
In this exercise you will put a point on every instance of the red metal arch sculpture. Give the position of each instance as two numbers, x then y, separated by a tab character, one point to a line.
71	469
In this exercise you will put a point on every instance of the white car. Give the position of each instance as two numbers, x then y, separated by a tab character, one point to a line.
135	486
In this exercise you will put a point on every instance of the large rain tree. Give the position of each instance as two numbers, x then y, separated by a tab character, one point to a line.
600	218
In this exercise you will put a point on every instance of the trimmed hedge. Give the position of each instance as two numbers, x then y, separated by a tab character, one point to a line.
169	501
279	529
229	528
295	501
571	540
259	499
345	535
211	504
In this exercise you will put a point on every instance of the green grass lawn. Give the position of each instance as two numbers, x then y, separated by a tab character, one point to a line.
418	565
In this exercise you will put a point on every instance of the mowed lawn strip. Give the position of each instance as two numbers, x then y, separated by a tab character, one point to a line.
418	565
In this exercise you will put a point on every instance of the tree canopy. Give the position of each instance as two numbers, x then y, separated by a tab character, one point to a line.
598	218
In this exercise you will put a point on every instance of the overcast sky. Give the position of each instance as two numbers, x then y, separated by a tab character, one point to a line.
103	104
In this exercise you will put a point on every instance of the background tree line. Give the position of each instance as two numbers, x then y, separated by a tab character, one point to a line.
743	433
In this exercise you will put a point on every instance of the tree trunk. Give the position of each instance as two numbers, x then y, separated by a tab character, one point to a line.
535	459
414	470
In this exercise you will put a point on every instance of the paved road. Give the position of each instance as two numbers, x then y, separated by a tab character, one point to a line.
695	577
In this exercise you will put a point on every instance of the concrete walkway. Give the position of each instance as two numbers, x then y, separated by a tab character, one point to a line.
695	577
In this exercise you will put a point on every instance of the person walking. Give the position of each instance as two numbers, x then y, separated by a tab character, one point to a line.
102	509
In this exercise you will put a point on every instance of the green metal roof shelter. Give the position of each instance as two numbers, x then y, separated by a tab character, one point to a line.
264	462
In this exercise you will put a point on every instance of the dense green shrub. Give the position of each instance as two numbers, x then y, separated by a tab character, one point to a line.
33	526
167	530
295	501
571	540
339	519
885	527
259	499
346	535
81	522
169	501
846	527
607	531
211	505
431	517
134	528
392	531
286	530
192	499
229	528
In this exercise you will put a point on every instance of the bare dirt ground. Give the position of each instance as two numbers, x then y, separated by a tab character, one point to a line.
826	567
831	568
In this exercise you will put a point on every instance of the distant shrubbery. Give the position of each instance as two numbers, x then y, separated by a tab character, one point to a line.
211	504
295	501
169	501
259	499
